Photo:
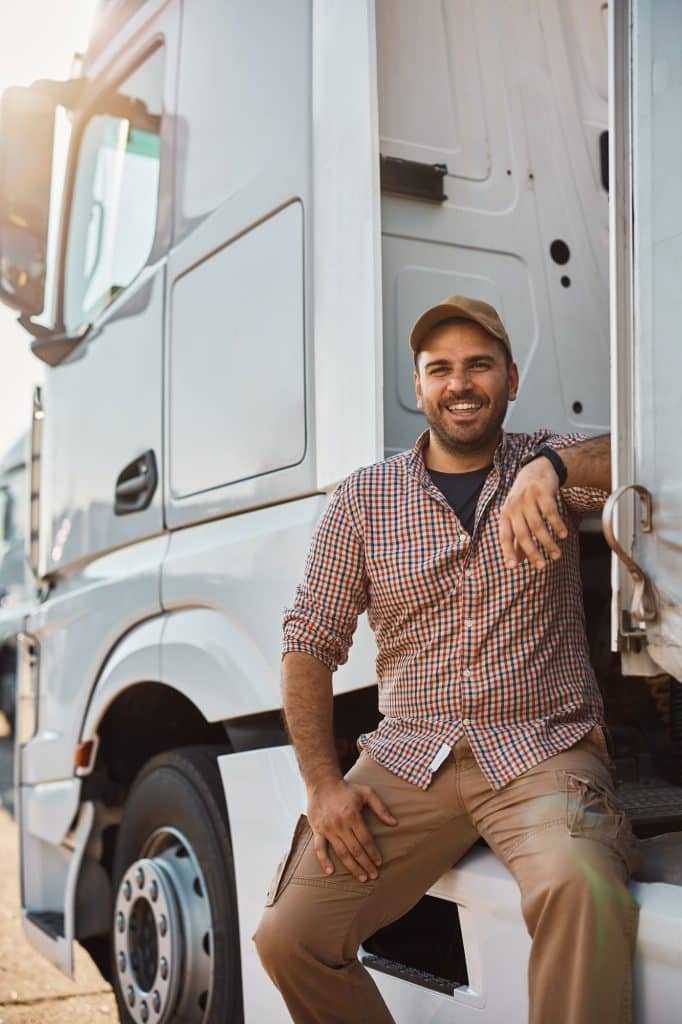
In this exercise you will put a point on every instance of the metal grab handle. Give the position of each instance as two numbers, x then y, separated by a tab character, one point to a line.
643	600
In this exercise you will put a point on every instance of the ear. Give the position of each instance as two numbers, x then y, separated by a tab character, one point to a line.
513	382
417	389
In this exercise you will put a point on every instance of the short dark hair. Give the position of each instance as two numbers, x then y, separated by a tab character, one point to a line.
461	320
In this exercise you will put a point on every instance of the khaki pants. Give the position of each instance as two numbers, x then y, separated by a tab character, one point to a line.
557	830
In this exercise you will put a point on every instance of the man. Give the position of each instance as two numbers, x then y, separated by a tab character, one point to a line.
464	552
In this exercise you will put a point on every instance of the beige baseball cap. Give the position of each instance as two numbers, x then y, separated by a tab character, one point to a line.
460	305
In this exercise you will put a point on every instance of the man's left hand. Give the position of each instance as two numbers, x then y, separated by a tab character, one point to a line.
529	512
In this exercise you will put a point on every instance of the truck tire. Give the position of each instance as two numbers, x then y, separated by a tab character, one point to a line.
175	935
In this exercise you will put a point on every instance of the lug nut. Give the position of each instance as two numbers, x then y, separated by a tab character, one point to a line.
121	962
163	925
156	1001
153	890
163	967
127	889
131	995
120	921
139	878
144	1011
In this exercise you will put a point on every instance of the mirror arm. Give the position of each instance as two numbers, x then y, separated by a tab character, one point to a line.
67	93
34	329
53	348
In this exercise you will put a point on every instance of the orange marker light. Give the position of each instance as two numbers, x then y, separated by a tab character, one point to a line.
81	758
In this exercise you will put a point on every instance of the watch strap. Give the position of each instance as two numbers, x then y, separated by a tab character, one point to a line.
544	451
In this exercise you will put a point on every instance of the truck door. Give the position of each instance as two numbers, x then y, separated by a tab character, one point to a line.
102	407
646	310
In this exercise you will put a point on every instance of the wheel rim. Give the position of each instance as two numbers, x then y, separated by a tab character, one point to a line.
163	933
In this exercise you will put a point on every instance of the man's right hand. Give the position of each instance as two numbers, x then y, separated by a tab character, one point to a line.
335	816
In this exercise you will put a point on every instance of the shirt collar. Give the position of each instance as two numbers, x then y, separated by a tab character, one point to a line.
417	466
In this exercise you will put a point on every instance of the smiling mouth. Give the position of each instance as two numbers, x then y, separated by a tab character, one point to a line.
463	410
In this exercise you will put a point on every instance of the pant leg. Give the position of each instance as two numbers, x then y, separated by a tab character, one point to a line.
308	938
571	852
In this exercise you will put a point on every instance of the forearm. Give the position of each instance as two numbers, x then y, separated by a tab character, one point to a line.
588	463
309	714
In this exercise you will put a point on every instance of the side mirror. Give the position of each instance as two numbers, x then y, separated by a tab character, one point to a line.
26	143
27	118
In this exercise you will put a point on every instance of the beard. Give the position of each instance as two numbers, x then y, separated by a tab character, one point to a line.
465	438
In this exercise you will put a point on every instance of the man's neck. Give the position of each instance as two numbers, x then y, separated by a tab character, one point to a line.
442	460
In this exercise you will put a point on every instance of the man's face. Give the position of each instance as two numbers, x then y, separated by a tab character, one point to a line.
463	386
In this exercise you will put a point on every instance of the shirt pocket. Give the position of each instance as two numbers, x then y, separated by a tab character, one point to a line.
289	862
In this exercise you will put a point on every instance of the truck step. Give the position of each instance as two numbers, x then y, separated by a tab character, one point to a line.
652	805
413	974
49	921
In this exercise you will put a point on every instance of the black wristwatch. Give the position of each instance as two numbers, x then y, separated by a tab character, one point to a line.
544	451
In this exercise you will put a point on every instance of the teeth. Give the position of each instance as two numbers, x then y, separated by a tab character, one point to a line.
463	405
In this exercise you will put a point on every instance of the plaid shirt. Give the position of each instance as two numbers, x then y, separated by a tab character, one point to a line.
465	644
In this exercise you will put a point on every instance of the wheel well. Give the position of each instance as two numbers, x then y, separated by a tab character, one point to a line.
145	720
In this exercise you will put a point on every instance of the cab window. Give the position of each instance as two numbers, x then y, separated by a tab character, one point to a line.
116	194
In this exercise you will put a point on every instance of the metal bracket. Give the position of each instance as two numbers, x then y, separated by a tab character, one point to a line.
643	601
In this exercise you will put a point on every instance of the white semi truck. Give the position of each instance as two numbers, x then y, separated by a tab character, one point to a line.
218	234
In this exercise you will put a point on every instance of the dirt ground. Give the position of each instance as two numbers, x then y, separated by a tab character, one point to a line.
32	991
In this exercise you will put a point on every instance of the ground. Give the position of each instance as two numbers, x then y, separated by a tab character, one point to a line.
32	991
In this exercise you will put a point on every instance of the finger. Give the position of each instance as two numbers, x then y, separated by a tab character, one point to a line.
322	853
525	541
507	540
348	861
519	553
543	536
359	854
550	512
366	840
380	809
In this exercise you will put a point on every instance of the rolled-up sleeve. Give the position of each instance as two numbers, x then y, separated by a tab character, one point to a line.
333	593
581	501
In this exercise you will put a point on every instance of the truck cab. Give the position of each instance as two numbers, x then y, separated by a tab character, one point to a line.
217	236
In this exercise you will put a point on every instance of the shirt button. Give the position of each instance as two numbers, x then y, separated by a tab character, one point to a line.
469	573
468	623
466	721
467	673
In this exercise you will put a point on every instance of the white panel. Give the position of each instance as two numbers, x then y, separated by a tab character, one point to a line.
657	206
431	106
264	795
347	306
231	581
236	359
537	73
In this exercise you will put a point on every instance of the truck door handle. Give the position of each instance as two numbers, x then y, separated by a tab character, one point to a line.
136	484
643	600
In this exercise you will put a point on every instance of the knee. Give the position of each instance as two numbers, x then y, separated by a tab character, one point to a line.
274	942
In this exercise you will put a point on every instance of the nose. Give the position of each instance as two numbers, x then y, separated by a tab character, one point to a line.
459	380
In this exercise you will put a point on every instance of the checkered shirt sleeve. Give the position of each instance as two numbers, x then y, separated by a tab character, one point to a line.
578	500
333	593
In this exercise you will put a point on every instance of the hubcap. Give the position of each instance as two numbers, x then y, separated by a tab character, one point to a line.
163	934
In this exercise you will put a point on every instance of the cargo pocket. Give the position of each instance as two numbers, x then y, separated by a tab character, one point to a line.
591	813
289	862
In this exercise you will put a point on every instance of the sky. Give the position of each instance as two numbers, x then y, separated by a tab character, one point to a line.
38	39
